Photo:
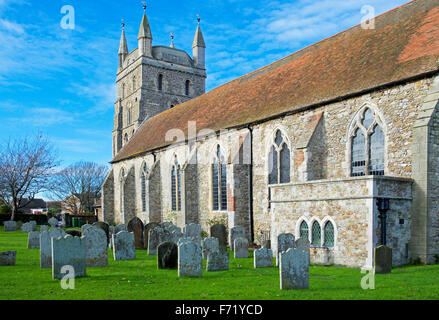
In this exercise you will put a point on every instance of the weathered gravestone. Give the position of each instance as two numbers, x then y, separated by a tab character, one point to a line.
285	241
10	226
209	245
263	258
167	255
85	226
219	231
115	230
28	227
294	266
154	239
217	261
241	248
123	246
176	235
53	222
97	249
33	240
382	260
235	233
104	226
147	228
46	245
190	259
44	228
7	258
135	225
192	230
68	251
165	225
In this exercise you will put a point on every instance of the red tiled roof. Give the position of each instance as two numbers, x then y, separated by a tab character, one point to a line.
404	44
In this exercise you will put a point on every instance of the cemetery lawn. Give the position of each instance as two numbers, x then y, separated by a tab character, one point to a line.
140	280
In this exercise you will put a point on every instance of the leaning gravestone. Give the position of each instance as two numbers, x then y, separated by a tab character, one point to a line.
192	230
209	245
241	248
28	227
235	233
69	251
46	245
7	258
190	259
263	258
219	231
154	239
10	226
97	249
104	226
167	255
294	267
33	240
147	228
382	260
123	246
53	222
285	241
217	261
136	225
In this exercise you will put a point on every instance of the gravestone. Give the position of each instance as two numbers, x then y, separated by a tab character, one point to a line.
147	228
155	238
135	225
44	228
190	259
10	226
383	260
123	246
263	258
209	245
28	227
217	261
104	226
176	235
241	248
219	231
285	241
33	240
46	245
85	226
53	222
294	266
97	249
165	225
167	255
192	230
235	233
7	259
119	228
68	251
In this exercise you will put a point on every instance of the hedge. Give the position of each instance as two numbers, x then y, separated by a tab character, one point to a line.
23	217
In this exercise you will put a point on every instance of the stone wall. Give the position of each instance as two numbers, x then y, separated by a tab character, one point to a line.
108	198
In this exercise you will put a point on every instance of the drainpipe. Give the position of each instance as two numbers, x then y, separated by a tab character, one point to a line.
252	232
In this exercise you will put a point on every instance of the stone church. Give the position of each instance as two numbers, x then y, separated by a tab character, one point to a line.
313	144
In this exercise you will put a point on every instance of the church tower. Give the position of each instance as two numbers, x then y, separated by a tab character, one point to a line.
153	79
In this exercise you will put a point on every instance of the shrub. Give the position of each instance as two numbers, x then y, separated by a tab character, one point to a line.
4	209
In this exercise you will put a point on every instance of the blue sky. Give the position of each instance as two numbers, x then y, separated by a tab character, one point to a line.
61	82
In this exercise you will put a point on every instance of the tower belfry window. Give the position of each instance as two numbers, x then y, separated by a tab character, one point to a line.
187	87
160	82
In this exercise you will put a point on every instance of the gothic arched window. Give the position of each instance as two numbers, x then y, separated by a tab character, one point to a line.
304	232
316	234
279	160
367	146
134	84
126	138
176	186
160	82
143	186
123	91
219	182
187	87
329	234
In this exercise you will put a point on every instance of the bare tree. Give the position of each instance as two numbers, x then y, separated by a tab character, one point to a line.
26	166
79	185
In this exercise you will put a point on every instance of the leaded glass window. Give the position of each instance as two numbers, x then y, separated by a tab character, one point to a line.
176	186
304	233
316	234
219	182
174	189
329	234
279	160
143	185
368	146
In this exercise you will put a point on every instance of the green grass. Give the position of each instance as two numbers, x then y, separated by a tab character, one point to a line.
140	279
